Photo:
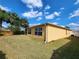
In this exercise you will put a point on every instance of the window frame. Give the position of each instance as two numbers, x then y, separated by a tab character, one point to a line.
38	31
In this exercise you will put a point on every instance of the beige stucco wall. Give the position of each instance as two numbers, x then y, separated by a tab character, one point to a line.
6	33
69	33
50	33
33	32
75	33
54	33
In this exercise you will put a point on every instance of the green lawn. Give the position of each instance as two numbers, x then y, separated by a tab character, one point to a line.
25	47
69	50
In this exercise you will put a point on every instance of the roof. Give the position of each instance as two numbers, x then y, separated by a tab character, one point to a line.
51	25
4	29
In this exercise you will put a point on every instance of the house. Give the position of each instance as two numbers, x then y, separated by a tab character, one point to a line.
76	33
48	32
5	32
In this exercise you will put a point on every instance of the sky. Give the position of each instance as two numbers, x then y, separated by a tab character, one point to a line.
58	12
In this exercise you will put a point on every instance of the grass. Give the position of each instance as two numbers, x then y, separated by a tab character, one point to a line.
25	47
69	50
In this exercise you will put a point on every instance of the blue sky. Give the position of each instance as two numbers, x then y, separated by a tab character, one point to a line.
59	12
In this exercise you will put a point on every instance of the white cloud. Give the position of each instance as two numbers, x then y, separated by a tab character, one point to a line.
39	14
76	29
62	26
47	7
4	24
73	24
46	13
77	2
4	8
62	8
50	16
55	23
32	14
34	24
39	18
56	13
74	14
33	3
53	15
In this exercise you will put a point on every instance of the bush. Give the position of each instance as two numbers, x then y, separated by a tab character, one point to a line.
1	34
72	35
18	32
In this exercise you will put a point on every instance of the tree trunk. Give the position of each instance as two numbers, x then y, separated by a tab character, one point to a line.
0	22
0	25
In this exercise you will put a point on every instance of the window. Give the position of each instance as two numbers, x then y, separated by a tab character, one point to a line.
38	31
29	31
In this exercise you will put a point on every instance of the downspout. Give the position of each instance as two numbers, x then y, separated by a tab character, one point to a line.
66	32
46	34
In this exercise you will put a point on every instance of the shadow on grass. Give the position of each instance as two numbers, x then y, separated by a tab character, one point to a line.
68	51
2	55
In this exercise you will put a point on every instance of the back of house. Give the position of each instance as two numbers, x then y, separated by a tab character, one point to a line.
48	32
54	32
5	32
76	33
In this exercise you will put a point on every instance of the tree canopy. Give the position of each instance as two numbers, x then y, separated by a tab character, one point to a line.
15	21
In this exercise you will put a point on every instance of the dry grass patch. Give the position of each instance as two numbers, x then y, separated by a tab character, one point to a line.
26	47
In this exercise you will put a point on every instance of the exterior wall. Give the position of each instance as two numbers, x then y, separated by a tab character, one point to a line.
54	33
69	33
50	33
33	32
5	33
76	33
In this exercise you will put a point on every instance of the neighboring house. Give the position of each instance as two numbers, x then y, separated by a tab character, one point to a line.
76	33
5	32
49	32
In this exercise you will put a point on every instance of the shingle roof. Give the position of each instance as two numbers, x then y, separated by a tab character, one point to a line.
51	25
4	29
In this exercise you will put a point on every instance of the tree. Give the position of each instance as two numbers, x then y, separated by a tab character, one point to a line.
24	24
15	21
2	17
12	17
